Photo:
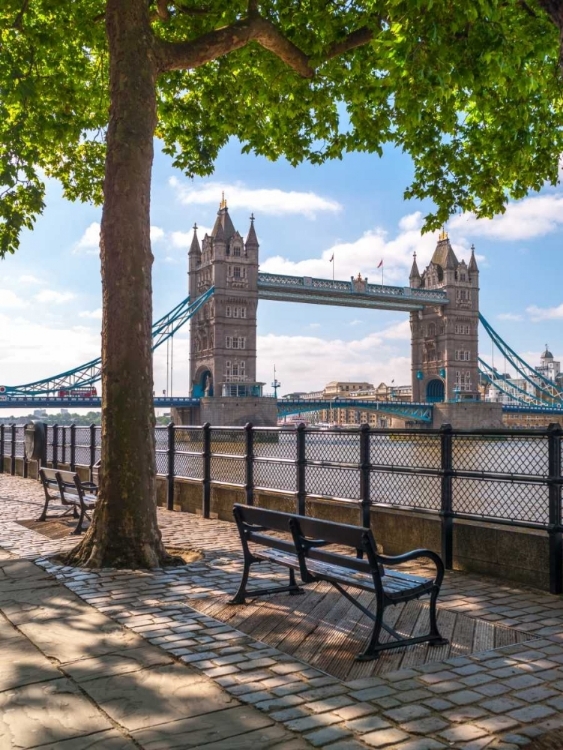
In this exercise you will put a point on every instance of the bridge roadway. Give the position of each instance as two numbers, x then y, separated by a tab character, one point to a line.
286	407
353	293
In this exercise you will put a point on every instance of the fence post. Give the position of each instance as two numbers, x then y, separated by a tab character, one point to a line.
446	510
171	457
25	466
1	448
301	462
365	497
249	461
92	450
43	459
555	528
13	451
55	461
206	470
72	447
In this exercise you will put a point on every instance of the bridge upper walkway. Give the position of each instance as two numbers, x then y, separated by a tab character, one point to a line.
353	293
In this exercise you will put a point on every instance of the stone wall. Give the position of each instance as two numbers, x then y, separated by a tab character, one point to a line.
468	415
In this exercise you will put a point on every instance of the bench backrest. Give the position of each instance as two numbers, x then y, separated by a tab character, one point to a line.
310	535
253	523
48	475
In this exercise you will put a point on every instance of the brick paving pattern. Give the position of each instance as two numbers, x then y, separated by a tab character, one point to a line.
491	699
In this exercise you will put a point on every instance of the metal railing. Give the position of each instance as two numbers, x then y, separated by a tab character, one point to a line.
511	477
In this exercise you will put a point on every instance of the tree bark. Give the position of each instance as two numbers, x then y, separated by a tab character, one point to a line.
124	531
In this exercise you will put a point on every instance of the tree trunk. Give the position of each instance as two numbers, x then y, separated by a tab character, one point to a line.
124	531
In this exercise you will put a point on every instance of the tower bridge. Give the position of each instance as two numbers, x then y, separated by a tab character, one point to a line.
225	286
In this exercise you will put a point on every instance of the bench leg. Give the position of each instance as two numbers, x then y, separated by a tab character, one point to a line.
294	589
239	597
78	529
374	647
434	637
43	516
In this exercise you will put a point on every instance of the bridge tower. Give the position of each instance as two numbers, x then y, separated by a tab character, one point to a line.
223	331
445	339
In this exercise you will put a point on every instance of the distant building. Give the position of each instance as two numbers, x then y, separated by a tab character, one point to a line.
504	389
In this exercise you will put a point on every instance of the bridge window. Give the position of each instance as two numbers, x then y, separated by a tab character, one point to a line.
236	251
228	311
229	342
236	272
228	368
432	329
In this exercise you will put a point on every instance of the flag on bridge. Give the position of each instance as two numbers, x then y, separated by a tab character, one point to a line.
330	261
380	263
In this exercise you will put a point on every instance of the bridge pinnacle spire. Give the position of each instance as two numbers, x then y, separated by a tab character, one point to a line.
251	239
473	262
415	273
194	247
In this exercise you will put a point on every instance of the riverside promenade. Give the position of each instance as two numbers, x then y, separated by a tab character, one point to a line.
155	659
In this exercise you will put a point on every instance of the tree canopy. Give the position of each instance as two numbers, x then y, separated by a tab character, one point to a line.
472	91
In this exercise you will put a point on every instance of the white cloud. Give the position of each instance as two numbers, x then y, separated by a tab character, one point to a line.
57	298
10	300
92	314
28	279
26	349
356	322
545	313
510	316
309	362
522	220
364	254
89	243
184	239
265	200
157	234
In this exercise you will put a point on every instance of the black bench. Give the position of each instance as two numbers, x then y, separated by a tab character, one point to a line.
66	488
308	546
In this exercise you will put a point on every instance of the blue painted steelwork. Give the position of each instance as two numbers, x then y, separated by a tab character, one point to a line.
353	293
86	375
491	376
406	410
523	408
546	391
92	402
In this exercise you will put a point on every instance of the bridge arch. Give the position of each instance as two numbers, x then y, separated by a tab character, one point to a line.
435	391
203	381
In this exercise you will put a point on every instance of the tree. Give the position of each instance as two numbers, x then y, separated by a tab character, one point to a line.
472	91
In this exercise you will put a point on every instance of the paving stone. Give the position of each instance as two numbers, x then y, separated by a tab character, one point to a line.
463	697
502	705
496	724
531	713
156	695
109	740
462	733
368	724
407	713
321	737
384	738
23	717
535	695
428	725
355	711
370	694
421	744
523	681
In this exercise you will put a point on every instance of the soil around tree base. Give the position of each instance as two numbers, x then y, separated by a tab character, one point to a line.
549	741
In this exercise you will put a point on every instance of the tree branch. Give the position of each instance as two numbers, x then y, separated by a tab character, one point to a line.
357	38
208	47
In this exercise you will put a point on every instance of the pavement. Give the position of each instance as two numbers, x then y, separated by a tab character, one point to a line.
124	659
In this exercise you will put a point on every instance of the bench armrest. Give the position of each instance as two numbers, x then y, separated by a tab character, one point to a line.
92	486
415	555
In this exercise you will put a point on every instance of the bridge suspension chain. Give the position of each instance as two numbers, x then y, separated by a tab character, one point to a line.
547	393
89	373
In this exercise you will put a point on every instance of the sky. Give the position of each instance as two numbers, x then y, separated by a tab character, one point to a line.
50	290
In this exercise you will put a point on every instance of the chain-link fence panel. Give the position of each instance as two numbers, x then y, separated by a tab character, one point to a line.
82	446
49	442
228	441
275	475
228	469
188	465
406	490
188	439
275	443
161	447
406	450
500	454
331	481
98	444
20	441
513	501
335	446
